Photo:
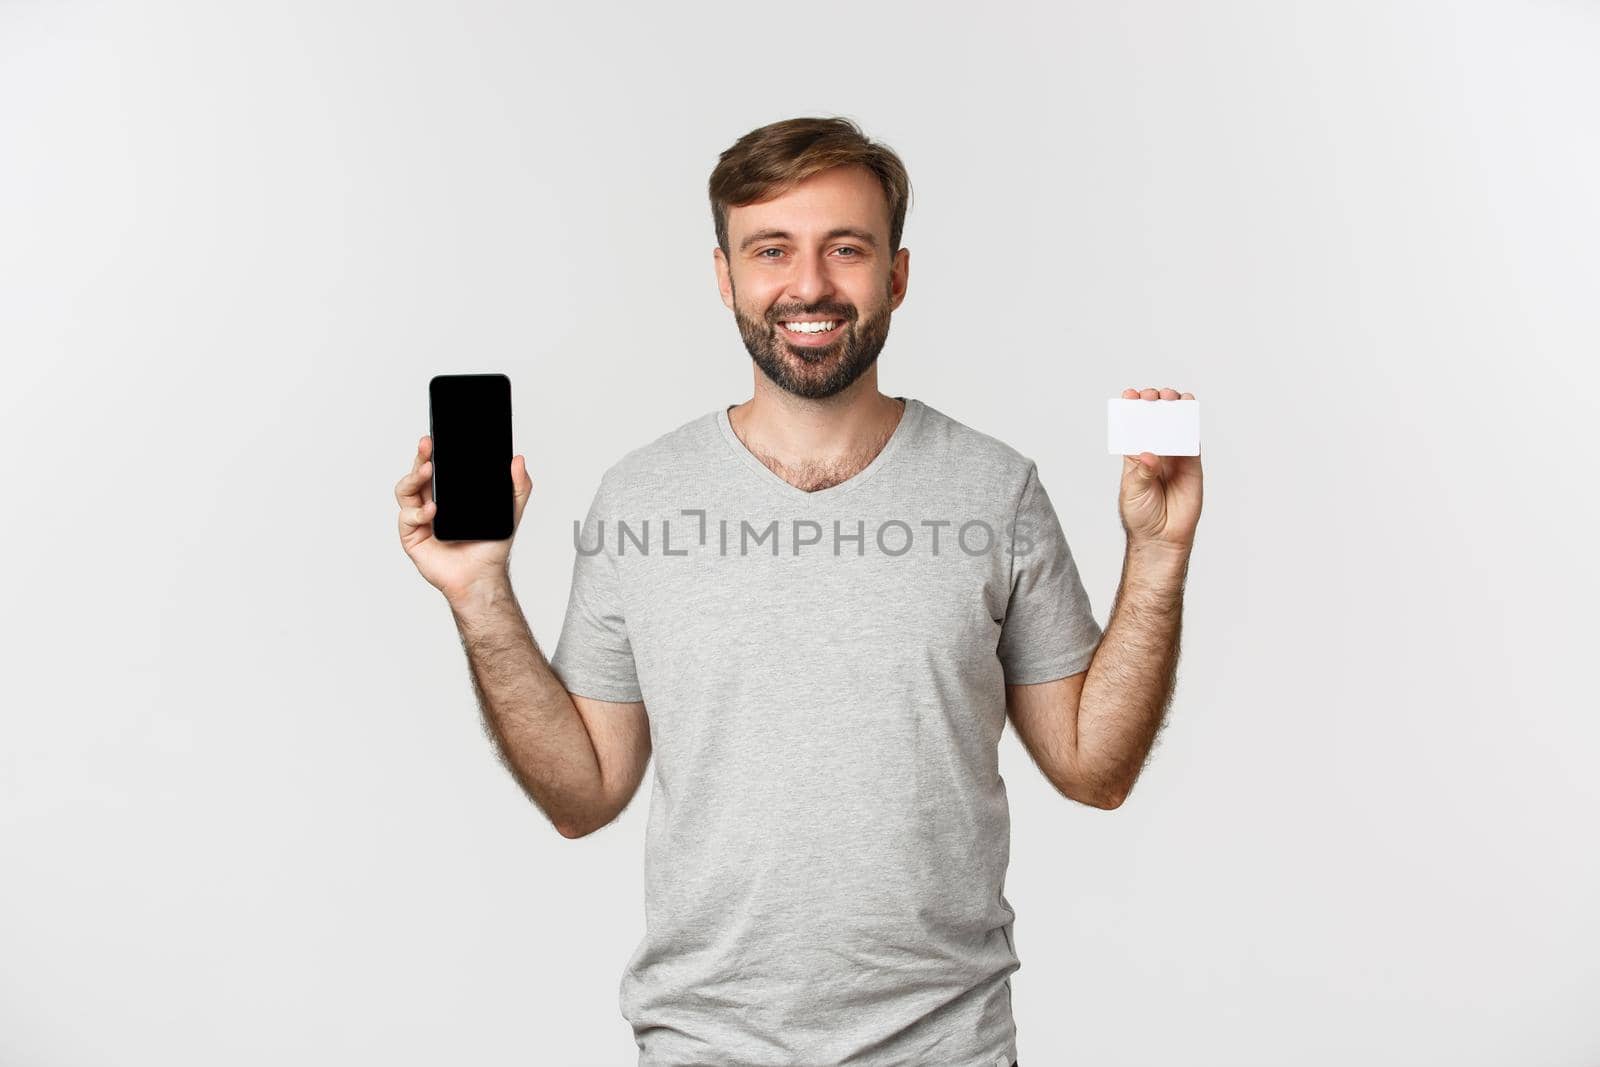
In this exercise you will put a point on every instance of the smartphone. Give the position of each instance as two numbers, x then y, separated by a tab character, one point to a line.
469	419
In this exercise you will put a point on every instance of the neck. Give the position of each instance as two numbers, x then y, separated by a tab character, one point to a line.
813	444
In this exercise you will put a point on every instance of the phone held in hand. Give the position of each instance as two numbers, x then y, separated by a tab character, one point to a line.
469	419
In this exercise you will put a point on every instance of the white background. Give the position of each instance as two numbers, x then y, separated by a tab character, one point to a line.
247	812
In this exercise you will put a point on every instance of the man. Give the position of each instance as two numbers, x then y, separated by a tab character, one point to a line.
829	600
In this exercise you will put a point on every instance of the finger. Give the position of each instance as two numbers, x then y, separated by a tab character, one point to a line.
404	488
1187	396
415	518
409	491
424	452
1148	393
1130	394
1169	394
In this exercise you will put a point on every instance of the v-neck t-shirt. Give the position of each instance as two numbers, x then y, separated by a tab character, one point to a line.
824	675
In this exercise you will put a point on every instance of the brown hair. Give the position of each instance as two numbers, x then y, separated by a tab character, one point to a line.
767	161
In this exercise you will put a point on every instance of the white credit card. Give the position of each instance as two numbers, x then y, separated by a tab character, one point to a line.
1160	427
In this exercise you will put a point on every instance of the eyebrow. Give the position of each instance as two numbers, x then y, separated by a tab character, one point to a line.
781	235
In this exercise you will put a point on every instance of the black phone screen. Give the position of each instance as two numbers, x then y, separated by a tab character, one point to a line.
469	419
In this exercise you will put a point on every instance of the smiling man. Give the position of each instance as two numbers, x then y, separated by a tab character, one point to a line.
817	609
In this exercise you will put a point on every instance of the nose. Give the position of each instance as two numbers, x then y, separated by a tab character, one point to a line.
810	281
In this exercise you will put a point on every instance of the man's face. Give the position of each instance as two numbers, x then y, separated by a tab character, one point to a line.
817	253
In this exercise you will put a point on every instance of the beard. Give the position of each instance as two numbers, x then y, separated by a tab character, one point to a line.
814	372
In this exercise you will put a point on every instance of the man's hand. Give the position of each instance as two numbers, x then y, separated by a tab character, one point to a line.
455	568
1160	499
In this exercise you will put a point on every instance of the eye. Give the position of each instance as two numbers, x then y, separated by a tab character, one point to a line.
763	253
853	251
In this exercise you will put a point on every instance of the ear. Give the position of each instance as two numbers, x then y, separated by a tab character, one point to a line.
899	277
724	279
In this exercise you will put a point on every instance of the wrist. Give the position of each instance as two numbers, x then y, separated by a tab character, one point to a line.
1169	552
1159	562
480	594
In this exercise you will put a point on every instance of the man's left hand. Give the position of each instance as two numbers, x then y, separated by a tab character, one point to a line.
1160	499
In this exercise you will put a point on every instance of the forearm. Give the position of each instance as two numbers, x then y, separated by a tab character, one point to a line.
1130	681
536	729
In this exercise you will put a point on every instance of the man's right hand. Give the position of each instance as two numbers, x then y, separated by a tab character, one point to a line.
455	568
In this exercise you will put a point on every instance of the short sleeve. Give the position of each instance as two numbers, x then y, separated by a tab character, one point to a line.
594	657
1049	630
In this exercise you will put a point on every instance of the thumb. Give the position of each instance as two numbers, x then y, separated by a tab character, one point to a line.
521	486
1143	470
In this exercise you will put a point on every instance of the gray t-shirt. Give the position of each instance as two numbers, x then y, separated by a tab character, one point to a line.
824	674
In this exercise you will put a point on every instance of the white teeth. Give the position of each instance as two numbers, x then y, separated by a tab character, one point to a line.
810	327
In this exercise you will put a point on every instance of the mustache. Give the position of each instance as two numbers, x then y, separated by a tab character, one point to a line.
843	314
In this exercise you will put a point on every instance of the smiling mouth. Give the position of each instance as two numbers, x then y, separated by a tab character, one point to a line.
809	334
